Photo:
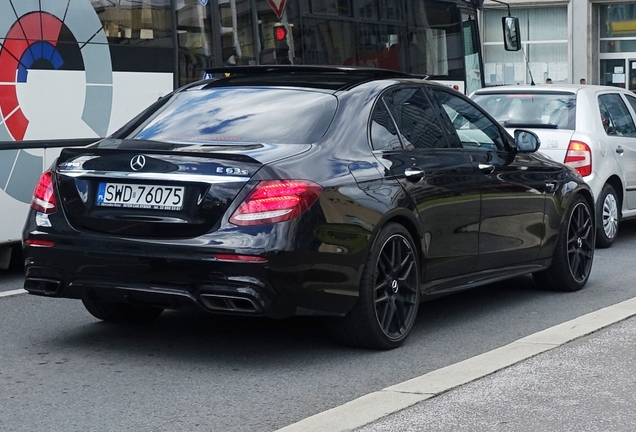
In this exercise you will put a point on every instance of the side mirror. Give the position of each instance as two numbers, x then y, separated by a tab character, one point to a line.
526	141
511	34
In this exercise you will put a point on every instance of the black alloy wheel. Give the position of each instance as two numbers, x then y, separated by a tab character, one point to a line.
580	243
389	294
574	252
395	289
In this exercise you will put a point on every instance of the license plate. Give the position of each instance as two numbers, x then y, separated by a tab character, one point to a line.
151	197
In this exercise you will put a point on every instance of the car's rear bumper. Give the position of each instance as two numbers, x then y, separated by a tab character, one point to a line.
288	283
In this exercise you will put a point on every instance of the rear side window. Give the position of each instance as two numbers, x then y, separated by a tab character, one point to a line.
531	109
416	118
384	134
241	114
615	116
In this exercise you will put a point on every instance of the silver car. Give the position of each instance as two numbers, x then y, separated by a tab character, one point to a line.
591	128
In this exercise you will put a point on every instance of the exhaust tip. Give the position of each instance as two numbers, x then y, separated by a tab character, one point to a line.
227	303
42	286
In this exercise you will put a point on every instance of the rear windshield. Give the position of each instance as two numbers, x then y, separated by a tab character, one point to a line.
241	114
552	110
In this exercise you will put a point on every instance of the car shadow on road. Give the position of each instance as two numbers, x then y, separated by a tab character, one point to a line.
196	336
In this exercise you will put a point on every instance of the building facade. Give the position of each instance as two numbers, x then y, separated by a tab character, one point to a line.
563	40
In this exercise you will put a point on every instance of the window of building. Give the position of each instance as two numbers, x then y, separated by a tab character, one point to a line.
331	7
617	28
544	38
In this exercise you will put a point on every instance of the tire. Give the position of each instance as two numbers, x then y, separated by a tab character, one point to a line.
574	251
608	217
386	309
122	313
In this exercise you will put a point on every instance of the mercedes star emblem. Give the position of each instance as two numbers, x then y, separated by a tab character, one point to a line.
138	162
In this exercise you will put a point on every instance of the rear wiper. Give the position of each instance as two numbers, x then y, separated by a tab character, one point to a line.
530	125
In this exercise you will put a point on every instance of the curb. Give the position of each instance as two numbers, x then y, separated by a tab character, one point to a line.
374	406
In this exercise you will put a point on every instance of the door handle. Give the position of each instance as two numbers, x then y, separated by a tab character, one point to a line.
486	168
414	174
619	150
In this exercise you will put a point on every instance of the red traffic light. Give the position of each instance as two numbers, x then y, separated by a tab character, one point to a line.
280	33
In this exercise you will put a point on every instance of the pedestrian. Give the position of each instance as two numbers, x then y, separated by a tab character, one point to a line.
582	81
548	80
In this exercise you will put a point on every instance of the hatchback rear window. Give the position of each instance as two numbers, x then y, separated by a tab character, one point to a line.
551	110
241	114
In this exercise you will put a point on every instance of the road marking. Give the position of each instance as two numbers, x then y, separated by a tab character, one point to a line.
374	406
12	293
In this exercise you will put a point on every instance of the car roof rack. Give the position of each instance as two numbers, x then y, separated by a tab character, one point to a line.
315	76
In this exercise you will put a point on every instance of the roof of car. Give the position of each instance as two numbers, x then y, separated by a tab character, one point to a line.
321	77
546	88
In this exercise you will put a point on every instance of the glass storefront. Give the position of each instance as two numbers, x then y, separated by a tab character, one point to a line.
544	41
617	45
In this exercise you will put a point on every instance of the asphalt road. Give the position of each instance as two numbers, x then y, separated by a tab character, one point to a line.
60	369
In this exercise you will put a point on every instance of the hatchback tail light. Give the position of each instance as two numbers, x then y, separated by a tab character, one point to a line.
44	196
579	157
276	201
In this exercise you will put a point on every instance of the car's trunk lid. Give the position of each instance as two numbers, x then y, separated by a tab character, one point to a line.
149	189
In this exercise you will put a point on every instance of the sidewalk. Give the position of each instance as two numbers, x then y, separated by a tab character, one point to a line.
577	376
587	385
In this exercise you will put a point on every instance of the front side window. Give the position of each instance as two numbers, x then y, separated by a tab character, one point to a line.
474	129
615	116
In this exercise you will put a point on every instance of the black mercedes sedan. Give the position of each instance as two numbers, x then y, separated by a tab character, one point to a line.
300	190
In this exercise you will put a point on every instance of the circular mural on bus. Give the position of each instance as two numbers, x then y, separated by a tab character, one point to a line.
45	45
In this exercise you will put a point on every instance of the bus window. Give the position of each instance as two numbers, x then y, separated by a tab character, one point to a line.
195	46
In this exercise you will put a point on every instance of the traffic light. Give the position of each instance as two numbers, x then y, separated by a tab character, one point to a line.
280	33
281	45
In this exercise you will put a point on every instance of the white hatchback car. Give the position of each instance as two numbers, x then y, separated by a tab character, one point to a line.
591	128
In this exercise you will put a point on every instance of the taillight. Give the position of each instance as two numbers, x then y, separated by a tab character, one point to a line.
43	196
39	243
239	258
276	201
579	157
